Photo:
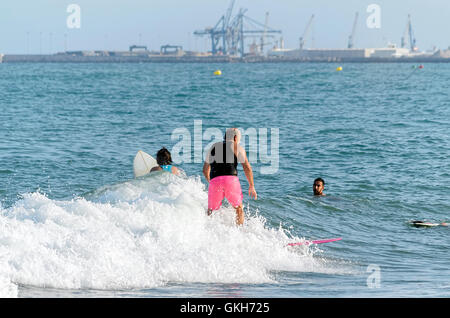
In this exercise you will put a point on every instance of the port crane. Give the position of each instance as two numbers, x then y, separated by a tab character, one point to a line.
351	38
264	35
220	32
409	36
228	34
306	32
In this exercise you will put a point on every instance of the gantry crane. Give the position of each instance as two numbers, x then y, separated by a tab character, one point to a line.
408	36
305	33
263	37
232	32
351	38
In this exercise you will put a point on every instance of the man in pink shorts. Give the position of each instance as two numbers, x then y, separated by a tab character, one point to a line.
220	170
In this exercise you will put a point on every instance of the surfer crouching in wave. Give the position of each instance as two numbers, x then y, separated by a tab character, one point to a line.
220	170
164	160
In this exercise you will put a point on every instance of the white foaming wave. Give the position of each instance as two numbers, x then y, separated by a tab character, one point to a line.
142	233
7	288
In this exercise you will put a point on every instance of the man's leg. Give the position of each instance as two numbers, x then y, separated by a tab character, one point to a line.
239	215
215	195
233	193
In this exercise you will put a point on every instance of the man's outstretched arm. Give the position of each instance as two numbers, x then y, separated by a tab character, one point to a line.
249	174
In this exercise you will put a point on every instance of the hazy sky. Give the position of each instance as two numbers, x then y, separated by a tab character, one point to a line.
40	25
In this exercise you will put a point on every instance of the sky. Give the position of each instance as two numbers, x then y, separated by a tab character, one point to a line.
40	26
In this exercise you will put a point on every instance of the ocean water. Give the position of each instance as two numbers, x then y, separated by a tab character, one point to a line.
75	223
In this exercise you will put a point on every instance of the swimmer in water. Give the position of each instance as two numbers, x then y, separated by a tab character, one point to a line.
318	187
426	224
164	160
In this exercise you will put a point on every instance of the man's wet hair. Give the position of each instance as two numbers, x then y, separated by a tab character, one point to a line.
319	179
163	157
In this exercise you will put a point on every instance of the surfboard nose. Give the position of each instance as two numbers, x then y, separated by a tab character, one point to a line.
143	163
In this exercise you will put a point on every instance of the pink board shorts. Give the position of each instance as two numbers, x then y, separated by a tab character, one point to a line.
222	187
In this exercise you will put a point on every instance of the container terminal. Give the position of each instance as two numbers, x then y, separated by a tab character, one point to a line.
240	38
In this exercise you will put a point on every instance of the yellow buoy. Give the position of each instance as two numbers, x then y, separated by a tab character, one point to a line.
218	72
339	69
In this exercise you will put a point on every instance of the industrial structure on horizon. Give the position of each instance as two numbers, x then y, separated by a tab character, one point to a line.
230	37
408	48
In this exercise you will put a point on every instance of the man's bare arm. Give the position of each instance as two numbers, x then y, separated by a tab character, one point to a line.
206	170
248	173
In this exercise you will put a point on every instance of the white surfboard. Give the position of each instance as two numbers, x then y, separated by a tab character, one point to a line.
143	163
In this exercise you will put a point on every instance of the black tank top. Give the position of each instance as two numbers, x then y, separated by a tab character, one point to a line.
220	166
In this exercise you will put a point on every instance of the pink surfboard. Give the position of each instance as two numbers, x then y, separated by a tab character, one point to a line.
315	242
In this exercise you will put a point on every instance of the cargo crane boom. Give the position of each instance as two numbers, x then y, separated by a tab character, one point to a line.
351	38
230	32
226	23
409	36
305	34
263	37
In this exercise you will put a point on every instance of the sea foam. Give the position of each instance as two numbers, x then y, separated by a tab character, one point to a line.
142	233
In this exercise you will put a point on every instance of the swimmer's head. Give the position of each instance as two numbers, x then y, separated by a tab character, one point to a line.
163	157
318	186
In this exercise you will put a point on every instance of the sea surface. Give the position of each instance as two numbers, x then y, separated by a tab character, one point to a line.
74	222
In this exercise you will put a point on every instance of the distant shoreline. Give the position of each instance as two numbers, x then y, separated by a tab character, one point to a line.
63	58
